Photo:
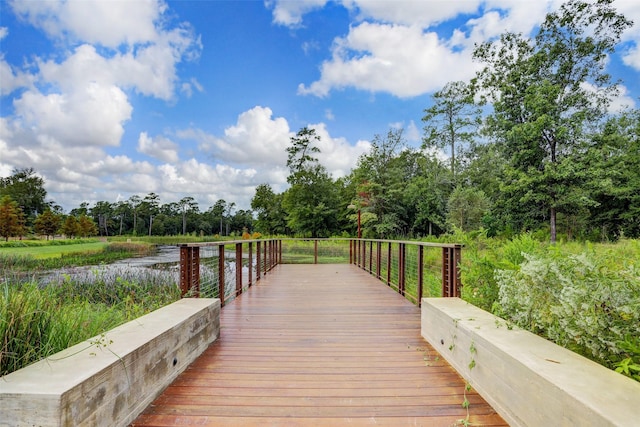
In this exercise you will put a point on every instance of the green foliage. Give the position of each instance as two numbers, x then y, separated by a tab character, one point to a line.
11	218
452	120
311	203
543	97
36	322
587	301
466	207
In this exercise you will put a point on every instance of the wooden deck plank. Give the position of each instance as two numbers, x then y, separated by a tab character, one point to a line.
321	345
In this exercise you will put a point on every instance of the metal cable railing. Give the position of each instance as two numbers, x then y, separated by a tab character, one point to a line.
225	269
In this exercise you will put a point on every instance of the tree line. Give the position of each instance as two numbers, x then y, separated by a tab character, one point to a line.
532	147
530	142
23	210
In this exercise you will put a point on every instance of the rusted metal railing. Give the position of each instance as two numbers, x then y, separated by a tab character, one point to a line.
400	264
391	257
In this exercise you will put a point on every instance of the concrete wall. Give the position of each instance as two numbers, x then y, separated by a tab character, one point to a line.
528	380
109	380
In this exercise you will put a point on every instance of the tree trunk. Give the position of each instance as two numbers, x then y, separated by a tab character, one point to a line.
552	224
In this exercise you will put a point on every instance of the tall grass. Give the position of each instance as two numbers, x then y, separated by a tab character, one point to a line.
37	321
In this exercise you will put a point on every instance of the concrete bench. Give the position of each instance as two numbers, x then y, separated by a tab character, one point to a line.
528	380
110	379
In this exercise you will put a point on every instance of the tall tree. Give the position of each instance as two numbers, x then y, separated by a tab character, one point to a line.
48	224
150	206
614	159
311	201
452	120
11	218
381	176
545	91
268	207
187	205
26	189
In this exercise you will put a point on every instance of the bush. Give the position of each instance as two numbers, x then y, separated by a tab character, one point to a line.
588	302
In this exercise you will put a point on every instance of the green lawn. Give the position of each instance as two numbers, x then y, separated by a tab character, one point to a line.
53	251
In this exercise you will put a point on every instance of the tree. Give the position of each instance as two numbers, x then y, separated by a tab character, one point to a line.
614	159
271	219
545	91
466	207
102	212
150	206
11	218
452	120
311	201
48	224
86	227
381	176
134	203
187	205
70	227
26	189
426	196
120	211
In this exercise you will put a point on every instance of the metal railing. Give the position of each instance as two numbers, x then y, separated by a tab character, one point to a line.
413	269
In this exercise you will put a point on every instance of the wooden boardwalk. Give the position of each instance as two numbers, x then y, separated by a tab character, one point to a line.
319	345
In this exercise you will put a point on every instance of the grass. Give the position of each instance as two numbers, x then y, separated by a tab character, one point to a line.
53	251
37	321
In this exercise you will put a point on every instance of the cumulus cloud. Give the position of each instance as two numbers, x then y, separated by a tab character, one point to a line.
159	147
289	12
256	138
400	54
631	10
109	24
401	60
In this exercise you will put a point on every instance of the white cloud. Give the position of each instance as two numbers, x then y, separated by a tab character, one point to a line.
289	12
108	23
631	9
93	114
401	60
256	139
336	154
159	147
401	55
411	12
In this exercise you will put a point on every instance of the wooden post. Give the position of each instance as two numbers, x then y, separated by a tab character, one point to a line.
221	279
420	273
250	264
451	284
238	269
190	271
315	251
258	255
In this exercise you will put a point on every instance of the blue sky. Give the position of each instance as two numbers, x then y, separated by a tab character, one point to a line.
106	99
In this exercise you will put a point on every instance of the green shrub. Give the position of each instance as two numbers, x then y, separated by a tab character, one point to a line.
588	302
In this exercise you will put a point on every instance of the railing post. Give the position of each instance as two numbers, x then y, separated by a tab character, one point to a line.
238	269
315	251
265	258
389	264
221	283
250	265
258	255
420	273
371	257
401	267
363	264
378	259
451	283
190	270
350	251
